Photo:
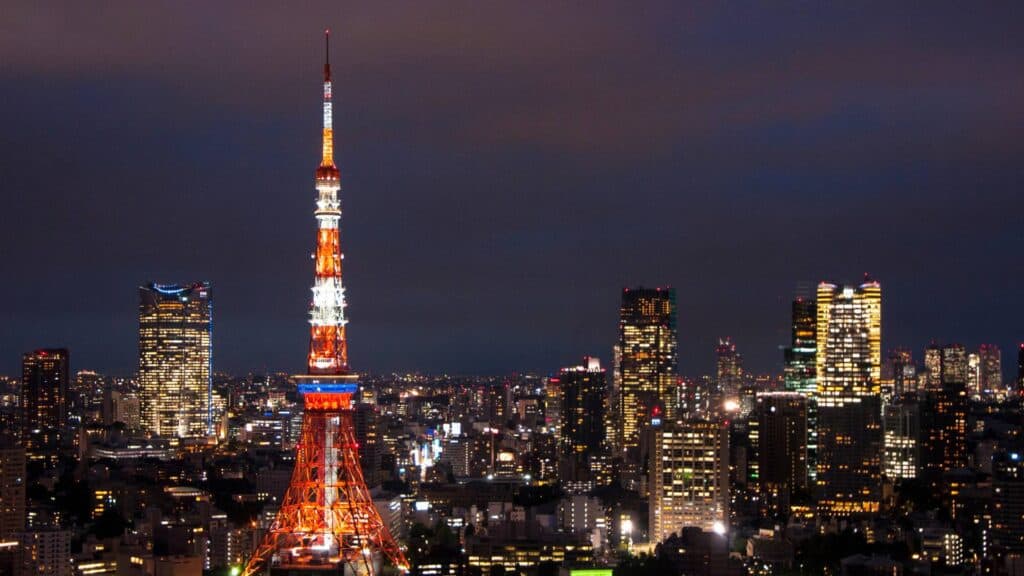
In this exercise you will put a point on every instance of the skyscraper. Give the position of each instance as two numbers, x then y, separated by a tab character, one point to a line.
902	427
689	472
175	355
43	402
800	355
801	371
1020	370
954	364
730	367
904	372
781	447
944	415
974	375
648	358
932	367
583	401
584	450
849	398
990	370
12	489
944	427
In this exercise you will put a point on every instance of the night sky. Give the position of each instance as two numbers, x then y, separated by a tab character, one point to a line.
506	170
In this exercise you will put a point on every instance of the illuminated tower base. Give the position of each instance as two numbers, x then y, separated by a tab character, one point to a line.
327	523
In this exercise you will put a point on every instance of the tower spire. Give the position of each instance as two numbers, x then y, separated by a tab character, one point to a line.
328	349
327	55
327	169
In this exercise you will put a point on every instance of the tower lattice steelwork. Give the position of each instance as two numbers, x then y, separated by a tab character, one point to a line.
327	523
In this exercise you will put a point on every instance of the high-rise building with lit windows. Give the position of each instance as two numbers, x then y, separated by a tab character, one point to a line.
648	357
849	398
944	414
1020	370
904	372
902	428
801	371
944	429
954	364
689	478
175	354
974	375
43	402
932	367
12	488
583	401
729	367
990	378
781	448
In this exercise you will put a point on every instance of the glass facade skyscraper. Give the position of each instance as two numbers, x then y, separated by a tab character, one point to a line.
800	371
175	354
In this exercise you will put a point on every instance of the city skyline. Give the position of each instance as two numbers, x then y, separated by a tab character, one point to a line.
743	199
460	448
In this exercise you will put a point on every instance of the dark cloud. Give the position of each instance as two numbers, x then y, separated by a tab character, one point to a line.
507	169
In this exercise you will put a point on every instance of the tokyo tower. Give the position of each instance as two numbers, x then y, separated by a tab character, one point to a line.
327	523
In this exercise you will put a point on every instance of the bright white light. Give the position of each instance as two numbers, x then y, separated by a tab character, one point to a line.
731	405
626	527
718	528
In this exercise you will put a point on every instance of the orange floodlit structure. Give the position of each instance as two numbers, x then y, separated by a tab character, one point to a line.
327	523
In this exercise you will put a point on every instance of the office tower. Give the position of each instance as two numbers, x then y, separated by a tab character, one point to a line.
849	399
801	371
366	425
87	399
496	403
730	367
944	413
582	417
954	364
584	450
974	375
648	357
800	355
991	370
781	448
904	372
12	489
175	352
944	427
902	427
1008	503
327	521
689	472
43	402
1020	370
553	407
932	367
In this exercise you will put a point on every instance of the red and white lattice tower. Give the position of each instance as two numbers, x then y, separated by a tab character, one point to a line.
327	523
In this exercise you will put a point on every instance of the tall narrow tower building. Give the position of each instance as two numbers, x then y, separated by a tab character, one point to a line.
647	361
327	522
